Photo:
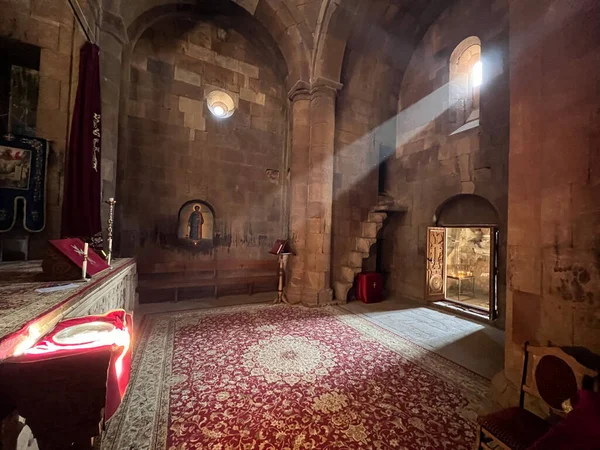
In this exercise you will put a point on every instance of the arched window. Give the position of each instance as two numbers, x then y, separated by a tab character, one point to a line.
466	77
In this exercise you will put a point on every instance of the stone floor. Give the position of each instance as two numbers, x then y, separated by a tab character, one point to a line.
478	347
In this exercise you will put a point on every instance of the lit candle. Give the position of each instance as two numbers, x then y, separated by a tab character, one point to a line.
85	260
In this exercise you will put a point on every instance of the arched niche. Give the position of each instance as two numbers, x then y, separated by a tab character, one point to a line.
462	262
196	224
466	209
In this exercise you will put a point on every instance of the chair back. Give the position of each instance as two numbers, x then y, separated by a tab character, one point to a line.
553	376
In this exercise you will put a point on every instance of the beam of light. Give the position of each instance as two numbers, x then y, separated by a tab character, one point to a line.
477	74
398	130
359	158
409	124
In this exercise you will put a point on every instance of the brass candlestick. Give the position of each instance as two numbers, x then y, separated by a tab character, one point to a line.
111	215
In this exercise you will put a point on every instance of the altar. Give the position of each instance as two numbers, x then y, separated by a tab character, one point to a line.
30	305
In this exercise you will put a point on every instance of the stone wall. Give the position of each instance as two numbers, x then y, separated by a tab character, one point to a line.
554	178
176	151
431	165
50	25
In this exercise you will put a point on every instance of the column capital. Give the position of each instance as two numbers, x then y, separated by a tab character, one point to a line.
322	84
300	91
304	90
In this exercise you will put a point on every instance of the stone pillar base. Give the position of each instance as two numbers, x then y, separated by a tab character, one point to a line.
293	296
325	297
305	297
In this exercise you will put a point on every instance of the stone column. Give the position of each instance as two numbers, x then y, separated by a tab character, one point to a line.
300	146
313	128
320	193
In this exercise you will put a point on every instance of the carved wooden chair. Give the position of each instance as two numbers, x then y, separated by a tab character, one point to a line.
554	377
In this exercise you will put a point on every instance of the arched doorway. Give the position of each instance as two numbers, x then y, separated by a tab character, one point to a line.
462	255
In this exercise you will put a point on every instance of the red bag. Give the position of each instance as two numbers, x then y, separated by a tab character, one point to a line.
369	287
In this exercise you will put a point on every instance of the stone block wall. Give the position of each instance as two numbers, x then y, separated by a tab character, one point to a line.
177	151
50	25
431	165
554	178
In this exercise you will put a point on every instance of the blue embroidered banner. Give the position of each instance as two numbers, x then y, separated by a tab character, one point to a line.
23	162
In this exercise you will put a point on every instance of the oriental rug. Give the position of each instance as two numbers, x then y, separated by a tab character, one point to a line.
280	377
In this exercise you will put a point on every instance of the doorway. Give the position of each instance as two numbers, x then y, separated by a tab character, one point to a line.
462	268
466	258
469	253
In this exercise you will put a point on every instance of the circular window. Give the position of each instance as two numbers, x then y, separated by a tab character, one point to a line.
220	104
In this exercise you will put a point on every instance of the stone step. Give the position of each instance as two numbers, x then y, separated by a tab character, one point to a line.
363	244
341	290
348	273
390	209
355	259
369	230
377	217
385	200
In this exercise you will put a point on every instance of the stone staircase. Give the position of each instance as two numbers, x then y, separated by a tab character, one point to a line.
361	245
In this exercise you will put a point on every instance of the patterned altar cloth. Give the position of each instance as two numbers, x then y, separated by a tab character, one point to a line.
20	304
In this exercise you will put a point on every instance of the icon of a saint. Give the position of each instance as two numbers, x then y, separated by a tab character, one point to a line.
195	222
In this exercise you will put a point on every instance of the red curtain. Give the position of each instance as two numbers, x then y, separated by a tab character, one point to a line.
82	196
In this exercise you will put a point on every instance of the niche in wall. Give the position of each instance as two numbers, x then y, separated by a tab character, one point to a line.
196	224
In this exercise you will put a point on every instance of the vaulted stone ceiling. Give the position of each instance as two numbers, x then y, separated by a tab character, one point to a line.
394	27
313	35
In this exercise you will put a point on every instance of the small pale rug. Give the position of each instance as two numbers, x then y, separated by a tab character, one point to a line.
279	377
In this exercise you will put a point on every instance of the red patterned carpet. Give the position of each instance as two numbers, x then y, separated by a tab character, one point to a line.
277	377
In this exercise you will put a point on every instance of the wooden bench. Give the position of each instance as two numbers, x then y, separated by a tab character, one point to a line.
174	276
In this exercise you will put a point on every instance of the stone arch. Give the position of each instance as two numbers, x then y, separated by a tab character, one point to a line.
331	35
467	209
223	15
264	16
276	20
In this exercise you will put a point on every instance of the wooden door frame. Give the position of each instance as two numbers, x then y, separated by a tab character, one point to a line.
428	296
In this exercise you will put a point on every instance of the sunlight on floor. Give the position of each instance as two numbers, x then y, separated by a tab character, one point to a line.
476	346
